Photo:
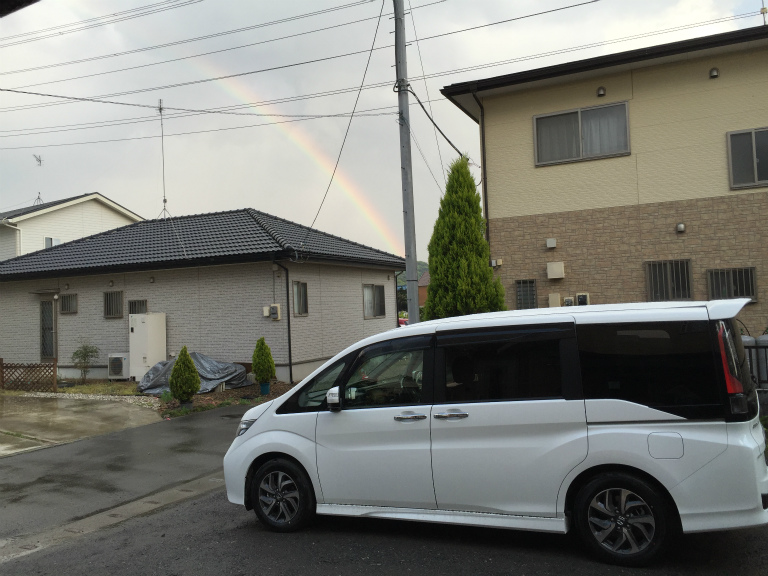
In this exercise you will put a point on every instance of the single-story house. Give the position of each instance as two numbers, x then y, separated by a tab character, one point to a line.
46	224
223	280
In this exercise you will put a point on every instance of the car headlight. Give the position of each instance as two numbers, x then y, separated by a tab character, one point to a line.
244	426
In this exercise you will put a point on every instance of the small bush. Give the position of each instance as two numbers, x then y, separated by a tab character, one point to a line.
262	363
166	396
184	380
83	358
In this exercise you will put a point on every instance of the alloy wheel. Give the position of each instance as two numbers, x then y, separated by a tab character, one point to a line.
279	497
621	521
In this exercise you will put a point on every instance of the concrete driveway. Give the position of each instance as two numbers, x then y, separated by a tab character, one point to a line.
27	423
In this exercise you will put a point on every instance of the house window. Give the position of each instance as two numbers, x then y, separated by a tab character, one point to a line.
668	280
113	304
732	283
373	301
49	242
137	307
68	303
300	304
582	134
748	157
526	294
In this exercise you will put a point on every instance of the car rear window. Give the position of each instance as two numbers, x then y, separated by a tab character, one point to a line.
668	366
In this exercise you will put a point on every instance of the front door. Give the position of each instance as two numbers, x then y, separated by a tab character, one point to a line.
376	450
47	340
507	424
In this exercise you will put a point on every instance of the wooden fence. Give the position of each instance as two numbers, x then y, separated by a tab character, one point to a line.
28	377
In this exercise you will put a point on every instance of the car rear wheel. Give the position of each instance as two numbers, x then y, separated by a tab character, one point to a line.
623	519
283	496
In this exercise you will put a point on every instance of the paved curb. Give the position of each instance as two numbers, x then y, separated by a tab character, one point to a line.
12	548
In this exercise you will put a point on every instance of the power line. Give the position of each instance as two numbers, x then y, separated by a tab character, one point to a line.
97	24
421	152
426	87
349	124
208	36
212	79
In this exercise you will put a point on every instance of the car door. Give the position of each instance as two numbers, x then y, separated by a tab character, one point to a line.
508	422
375	451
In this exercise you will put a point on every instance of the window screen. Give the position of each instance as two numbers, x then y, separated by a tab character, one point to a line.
113	304
732	283
300	304
665	365
668	280
748	153
502	370
526	294
137	306
68	303
373	301
581	134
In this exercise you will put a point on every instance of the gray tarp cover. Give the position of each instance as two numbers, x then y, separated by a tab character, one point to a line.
212	373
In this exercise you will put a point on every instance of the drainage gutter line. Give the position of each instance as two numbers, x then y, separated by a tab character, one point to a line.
484	171
288	317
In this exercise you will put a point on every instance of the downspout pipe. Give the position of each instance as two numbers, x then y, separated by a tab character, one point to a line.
288	317
5	223
484	170
397	312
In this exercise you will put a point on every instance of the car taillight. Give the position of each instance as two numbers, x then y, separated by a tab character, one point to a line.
732	384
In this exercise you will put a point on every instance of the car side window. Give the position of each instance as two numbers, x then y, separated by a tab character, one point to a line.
311	397
391	378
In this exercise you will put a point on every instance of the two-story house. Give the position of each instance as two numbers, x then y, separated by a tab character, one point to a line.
47	224
637	176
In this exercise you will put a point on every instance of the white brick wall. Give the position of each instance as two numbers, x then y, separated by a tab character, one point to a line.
216	310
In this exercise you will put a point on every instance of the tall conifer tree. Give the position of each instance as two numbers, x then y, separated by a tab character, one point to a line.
461	279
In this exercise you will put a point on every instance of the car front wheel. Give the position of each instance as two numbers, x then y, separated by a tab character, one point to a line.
623	519
283	496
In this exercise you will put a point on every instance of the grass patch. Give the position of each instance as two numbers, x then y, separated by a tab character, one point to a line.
19	435
102	387
184	411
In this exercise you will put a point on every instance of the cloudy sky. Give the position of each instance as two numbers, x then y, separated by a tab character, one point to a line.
264	153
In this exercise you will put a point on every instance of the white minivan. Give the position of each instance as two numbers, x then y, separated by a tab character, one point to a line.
629	423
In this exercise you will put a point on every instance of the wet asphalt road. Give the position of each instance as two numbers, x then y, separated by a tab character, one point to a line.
211	536
53	486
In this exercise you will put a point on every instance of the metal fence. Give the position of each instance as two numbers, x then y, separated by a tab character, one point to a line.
28	377
758	364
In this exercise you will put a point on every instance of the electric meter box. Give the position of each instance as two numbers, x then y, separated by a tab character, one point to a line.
146	342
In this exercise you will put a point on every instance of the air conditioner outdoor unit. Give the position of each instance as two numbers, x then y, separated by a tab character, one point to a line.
118	366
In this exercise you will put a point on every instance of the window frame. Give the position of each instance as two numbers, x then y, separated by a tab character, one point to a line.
757	183
68	297
581	157
689	280
730	271
518	285
296	308
383	301
106	304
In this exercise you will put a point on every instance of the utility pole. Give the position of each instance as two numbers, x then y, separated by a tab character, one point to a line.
411	270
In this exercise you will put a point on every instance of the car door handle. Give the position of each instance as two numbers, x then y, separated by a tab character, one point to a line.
451	415
406	417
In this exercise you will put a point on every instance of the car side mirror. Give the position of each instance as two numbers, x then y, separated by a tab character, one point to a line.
332	398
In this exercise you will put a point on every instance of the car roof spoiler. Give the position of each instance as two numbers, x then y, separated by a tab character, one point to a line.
725	309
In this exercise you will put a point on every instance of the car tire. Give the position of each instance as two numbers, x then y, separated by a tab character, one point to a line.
623	519
282	496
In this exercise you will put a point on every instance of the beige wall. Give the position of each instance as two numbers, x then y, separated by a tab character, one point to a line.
678	120
70	223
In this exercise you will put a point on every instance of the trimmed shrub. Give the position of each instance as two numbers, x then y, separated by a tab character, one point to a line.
184	380
83	358
263	365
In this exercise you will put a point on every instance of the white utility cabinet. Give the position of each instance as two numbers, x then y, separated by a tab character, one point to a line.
146	342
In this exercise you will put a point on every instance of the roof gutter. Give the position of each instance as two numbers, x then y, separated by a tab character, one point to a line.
288	317
483	169
4	222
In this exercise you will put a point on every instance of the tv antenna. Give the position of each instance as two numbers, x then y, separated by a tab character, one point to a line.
38	159
38	200
164	213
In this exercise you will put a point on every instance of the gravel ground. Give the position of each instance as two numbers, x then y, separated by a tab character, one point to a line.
145	401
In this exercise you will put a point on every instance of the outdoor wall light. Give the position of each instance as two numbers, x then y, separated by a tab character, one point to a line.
66	286
55	296
680	228
714	73
111	283
151	279
601	92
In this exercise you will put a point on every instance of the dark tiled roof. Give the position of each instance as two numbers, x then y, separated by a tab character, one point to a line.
36	208
424	280
222	237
